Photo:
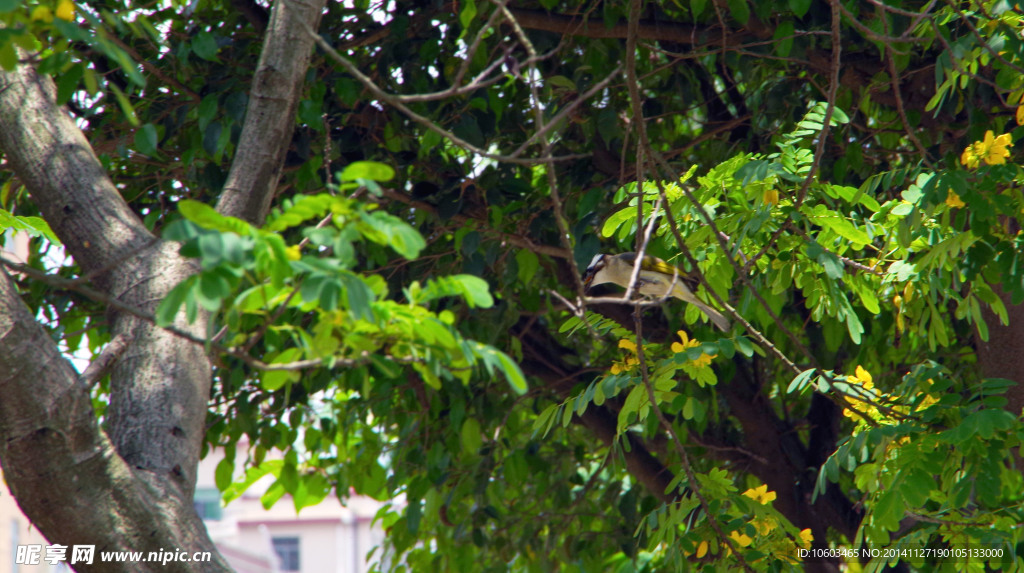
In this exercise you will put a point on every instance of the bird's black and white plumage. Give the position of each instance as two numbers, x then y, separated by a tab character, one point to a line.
655	279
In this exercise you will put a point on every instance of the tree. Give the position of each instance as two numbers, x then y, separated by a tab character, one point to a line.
366	256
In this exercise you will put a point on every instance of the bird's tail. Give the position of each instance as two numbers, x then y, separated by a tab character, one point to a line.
682	293
716	317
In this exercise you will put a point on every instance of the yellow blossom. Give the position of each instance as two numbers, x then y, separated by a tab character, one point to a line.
954	200
702	361
927	402
761	494
992	150
864	380
863	377
805	538
687	343
702	549
771	196
293	253
1020	115
66	10
764	526
628	362
741	538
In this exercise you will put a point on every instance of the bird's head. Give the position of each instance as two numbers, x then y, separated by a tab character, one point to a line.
595	275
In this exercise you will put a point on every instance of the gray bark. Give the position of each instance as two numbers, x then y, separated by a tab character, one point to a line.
270	117
129	487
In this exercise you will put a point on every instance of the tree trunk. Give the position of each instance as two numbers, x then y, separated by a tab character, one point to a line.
128	488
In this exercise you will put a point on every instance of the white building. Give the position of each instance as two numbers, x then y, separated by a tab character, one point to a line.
325	538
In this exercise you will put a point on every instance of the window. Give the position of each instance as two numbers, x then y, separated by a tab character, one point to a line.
207	503
287	548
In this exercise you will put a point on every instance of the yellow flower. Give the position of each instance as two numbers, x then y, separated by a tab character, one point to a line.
702	361
927	402
761	494
805	538
624	366
687	343
702	549
628	362
998	150
992	150
66	10
968	157
293	253
764	526
863	377
771	196
954	200
1020	115
741	538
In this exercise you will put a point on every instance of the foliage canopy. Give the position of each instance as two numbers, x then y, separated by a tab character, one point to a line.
408	322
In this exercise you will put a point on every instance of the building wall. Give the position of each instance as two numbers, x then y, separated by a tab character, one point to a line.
332	538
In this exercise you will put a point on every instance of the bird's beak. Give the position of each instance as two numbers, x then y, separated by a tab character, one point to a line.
588	277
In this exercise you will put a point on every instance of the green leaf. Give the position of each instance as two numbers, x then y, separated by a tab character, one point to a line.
207	217
123	101
386	229
34	226
359	296
222	476
799	7
472	288
146	139
252	475
784	38
8	56
312	488
618	219
739	10
527	263
179	295
211	138
371	170
468	13
205	46
867	294
67	83
471	438
561	82
207	111
888	510
801	381
840	225
493	357
272	380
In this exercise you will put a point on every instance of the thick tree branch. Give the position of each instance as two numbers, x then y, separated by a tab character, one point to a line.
52	157
55	456
159	388
270	117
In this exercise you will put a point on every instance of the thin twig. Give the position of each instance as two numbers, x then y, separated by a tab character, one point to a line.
99	367
396	102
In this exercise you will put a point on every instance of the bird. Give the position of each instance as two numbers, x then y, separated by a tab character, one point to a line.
656	276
